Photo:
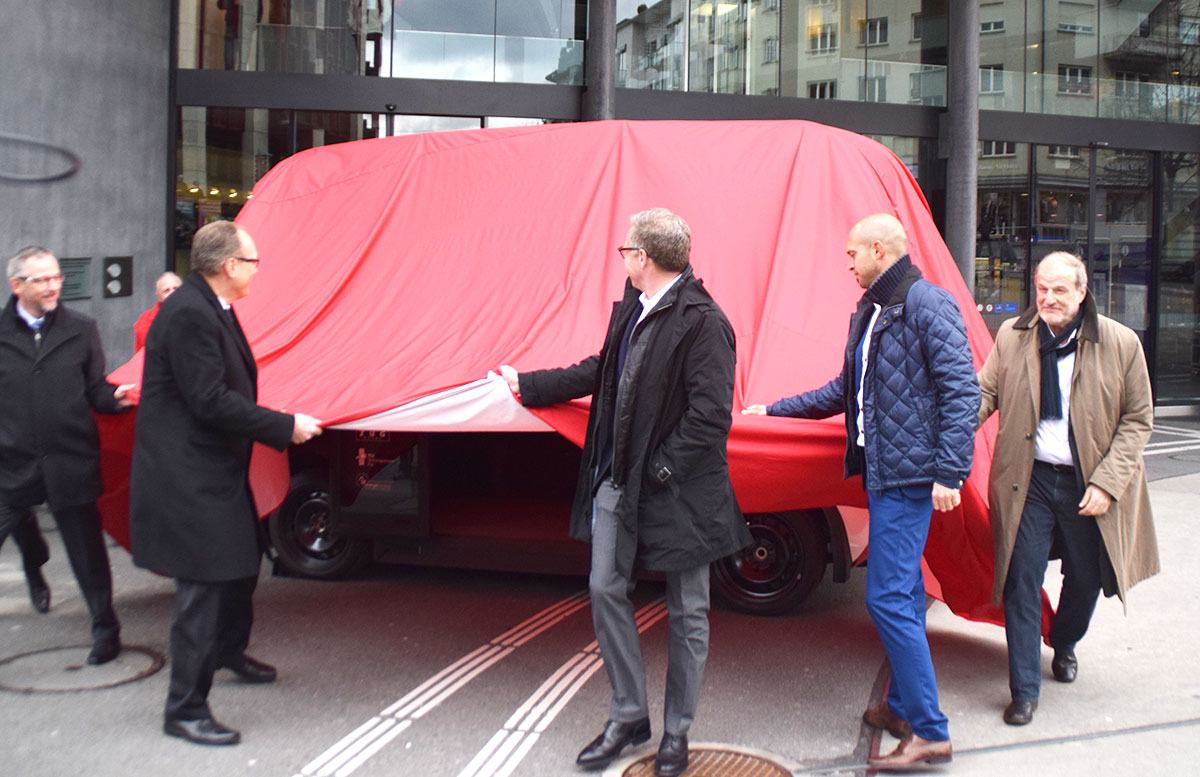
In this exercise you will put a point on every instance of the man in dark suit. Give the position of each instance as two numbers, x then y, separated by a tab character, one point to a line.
654	485
51	379
192	514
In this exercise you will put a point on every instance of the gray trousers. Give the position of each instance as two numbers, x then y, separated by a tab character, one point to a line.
617	633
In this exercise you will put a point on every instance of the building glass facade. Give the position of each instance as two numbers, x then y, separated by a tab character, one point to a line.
1082	107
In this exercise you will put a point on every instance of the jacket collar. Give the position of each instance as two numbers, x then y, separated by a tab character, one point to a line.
896	280
1088	330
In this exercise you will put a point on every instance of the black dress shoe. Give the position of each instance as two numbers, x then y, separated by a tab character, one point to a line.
616	736
104	650
1019	712
250	670
672	756
1064	666
202	731
39	592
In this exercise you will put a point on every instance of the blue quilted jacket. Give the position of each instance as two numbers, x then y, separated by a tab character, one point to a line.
920	395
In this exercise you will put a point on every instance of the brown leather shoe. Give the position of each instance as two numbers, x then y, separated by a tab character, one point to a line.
882	717
911	752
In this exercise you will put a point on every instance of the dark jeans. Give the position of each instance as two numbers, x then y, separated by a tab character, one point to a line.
1051	512
83	538
210	628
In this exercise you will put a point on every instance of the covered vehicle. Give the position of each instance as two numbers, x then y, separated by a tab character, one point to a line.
397	274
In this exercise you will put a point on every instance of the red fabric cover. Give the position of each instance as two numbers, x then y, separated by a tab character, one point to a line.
395	268
141	327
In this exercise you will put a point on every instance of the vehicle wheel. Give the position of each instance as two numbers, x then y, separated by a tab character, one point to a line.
779	569
302	536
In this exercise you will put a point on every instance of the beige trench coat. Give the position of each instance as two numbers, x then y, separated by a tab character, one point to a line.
1111	416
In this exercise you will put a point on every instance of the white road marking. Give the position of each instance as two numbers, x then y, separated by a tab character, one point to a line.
505	750
354	749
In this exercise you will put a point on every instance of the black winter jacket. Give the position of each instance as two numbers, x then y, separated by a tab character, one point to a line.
49	446
672	409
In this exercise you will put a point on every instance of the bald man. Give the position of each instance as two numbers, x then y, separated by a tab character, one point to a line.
910	397
166	284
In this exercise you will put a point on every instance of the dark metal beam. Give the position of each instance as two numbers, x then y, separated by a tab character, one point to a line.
599	61
358	94
960	137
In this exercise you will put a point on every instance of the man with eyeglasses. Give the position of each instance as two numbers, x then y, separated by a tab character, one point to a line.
654	484
51	379
191	514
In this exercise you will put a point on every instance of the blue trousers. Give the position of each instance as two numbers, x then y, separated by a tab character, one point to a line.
896	600
1051	510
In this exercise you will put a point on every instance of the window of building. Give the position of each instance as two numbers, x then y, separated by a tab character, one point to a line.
916	27
995	148
1074	79
771	49
771	5
1064	152
874	32
988	28
1128	84
1189	31
1076	28
822	90
927	86
822	38
991	79
872	89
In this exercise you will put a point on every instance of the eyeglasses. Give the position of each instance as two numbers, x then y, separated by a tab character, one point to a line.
244	259
622	249
44	280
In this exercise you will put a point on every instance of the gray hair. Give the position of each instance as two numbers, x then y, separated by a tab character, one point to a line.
213	244
664	237
16	265
1070	260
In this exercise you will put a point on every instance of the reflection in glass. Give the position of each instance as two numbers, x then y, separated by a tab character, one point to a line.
1178	343
1120	260
1002	231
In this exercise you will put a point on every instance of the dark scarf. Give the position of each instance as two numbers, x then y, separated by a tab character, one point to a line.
1049	350
885	285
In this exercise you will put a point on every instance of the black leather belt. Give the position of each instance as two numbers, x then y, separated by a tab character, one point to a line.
1062	469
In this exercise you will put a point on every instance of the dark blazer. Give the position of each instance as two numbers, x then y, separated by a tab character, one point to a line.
191	512
672	412
49	446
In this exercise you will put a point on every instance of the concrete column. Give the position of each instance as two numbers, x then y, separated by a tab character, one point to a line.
959	136
599	55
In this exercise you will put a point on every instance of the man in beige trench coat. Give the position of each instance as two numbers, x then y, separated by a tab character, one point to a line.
1067	469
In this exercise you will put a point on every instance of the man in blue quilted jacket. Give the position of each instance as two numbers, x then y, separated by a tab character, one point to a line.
910	396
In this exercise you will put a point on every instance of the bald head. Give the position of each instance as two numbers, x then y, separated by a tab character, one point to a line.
874	244
167	283
885	229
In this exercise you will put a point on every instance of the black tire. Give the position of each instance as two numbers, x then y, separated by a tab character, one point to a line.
303	538
779	569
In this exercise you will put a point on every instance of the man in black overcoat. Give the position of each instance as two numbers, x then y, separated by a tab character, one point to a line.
51	379
654	484
192	514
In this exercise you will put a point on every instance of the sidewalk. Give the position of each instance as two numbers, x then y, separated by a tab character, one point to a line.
1135	708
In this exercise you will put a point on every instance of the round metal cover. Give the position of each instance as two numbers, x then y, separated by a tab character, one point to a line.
65	669
714	762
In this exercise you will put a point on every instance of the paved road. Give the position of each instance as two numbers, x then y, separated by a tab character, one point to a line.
435	672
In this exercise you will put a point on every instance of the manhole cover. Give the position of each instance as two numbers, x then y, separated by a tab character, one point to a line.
714	762
65	669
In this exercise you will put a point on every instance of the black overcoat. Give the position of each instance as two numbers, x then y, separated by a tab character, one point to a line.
49	446
671	415
191	512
